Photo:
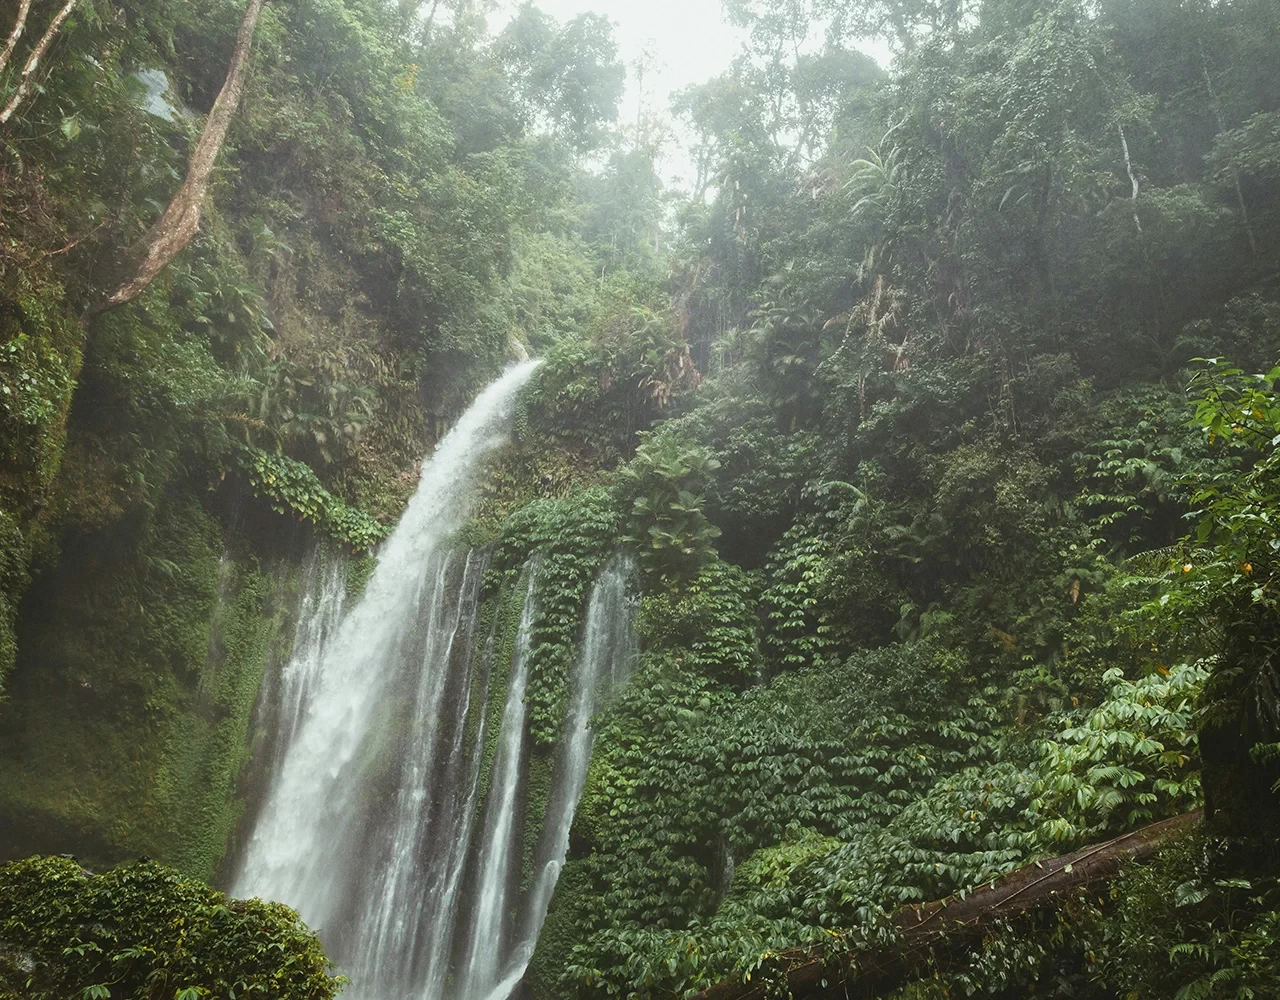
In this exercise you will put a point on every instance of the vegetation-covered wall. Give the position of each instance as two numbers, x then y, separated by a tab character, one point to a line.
384	228
956	533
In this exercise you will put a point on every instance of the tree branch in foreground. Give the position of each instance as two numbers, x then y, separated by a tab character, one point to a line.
175	228
19	25
956	923
28	73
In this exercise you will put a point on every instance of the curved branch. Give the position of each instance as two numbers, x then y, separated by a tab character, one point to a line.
176	227
1133	178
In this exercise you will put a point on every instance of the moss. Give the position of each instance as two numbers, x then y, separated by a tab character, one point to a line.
40	357
127	725
482	666
359	570
552	953
213	749
526	471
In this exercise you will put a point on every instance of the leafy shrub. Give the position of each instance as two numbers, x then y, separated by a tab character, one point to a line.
291	486
140	932
706	626
1133	761
665	482
1193	927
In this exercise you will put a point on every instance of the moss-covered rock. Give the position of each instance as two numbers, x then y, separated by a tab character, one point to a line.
126	726
40	354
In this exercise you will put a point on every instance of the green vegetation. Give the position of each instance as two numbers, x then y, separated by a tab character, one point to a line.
131	736
140	931
988	585
388	221
928	415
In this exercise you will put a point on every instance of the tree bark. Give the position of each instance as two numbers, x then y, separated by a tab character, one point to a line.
19	25
176	227
33	61
941	935
1133	178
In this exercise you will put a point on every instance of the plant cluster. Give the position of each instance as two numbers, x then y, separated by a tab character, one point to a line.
572	538
291	486
141	931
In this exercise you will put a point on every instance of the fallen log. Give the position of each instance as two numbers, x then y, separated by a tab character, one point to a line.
954	923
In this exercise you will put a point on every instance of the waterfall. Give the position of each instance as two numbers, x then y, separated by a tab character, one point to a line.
324	594
498	853
604	663
396	794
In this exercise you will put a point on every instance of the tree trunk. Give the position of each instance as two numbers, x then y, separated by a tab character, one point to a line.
1235	174
33	61
942	934
19	25
174	230
1133	178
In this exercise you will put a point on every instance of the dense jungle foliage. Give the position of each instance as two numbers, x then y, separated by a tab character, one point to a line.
940	418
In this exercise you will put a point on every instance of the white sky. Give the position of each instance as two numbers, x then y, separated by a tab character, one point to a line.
689	39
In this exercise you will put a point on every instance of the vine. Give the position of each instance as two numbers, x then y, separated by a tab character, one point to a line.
290	486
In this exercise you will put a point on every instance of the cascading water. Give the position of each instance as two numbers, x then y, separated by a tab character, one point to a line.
604	664
324	593
373	825
498	855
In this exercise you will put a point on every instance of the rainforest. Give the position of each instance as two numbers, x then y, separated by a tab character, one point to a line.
497	506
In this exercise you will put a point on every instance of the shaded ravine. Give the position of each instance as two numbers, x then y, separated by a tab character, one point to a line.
394	812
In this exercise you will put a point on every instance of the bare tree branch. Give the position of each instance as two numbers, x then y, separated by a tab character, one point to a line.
1235	174
19	25
33	61
176	227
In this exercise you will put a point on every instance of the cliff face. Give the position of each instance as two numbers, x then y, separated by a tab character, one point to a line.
164	467
128	713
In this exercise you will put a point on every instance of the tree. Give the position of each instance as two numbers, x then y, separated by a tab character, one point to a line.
178	224
568	77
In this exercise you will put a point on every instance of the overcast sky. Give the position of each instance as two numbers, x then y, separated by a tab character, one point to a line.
690	42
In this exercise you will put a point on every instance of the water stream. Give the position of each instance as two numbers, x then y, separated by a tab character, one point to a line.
394	817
